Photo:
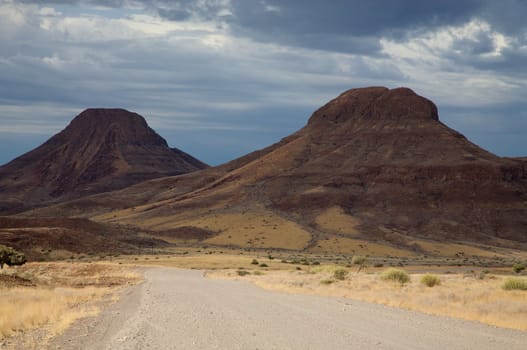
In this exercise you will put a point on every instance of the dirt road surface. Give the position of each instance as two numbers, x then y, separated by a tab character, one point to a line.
181	309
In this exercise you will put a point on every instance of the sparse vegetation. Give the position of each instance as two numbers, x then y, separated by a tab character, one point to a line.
254	262
360	261
514	283
430	280
327	281
340	274
264	265
11	257
395	275
243	273
53	295
518	267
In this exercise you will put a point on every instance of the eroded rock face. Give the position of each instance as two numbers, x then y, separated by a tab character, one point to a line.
101	150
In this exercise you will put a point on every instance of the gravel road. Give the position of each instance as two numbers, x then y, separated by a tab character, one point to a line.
181	309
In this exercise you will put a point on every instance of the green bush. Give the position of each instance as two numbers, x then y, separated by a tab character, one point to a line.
430	280
395	275
264	265
514	283
518	267
340	274
254	262
243	273
11	257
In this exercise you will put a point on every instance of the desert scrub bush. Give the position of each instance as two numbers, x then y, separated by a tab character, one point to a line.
430	280
254	262
517	268
395	275
264	265
243	273
10	257
327	281
358	260
258	273
514	283
340	274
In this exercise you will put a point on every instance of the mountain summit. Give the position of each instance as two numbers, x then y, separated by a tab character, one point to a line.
100	150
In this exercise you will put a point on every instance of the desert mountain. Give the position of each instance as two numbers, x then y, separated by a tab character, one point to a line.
373	164
373	168
100	150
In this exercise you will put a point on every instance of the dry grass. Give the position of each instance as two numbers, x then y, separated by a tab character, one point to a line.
336	220
461	296
344	245
24	308
255	229
62	293
453	250
203	261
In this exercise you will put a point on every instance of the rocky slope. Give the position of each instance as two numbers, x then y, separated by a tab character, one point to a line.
375	159
100	150
373	168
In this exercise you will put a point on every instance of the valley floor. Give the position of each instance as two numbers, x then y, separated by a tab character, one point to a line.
181	309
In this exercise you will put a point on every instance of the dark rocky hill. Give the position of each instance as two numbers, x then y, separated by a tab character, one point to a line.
100	150
384	159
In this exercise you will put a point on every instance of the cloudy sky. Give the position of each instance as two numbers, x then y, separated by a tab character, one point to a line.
220	78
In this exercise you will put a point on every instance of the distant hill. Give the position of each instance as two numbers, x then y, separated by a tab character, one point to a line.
373	164
373	172
100	150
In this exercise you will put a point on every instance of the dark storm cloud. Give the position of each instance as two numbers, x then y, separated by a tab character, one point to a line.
341	17
508	16
279	61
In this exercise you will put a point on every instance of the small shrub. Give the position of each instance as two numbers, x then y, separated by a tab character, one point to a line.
430	280
517	268
11	257
298	268
327	281
254	262
264	265
513	283
395	275
358	260
243	273
340	274
258	273
378	265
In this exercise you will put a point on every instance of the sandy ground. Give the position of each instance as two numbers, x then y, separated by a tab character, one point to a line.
181	309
